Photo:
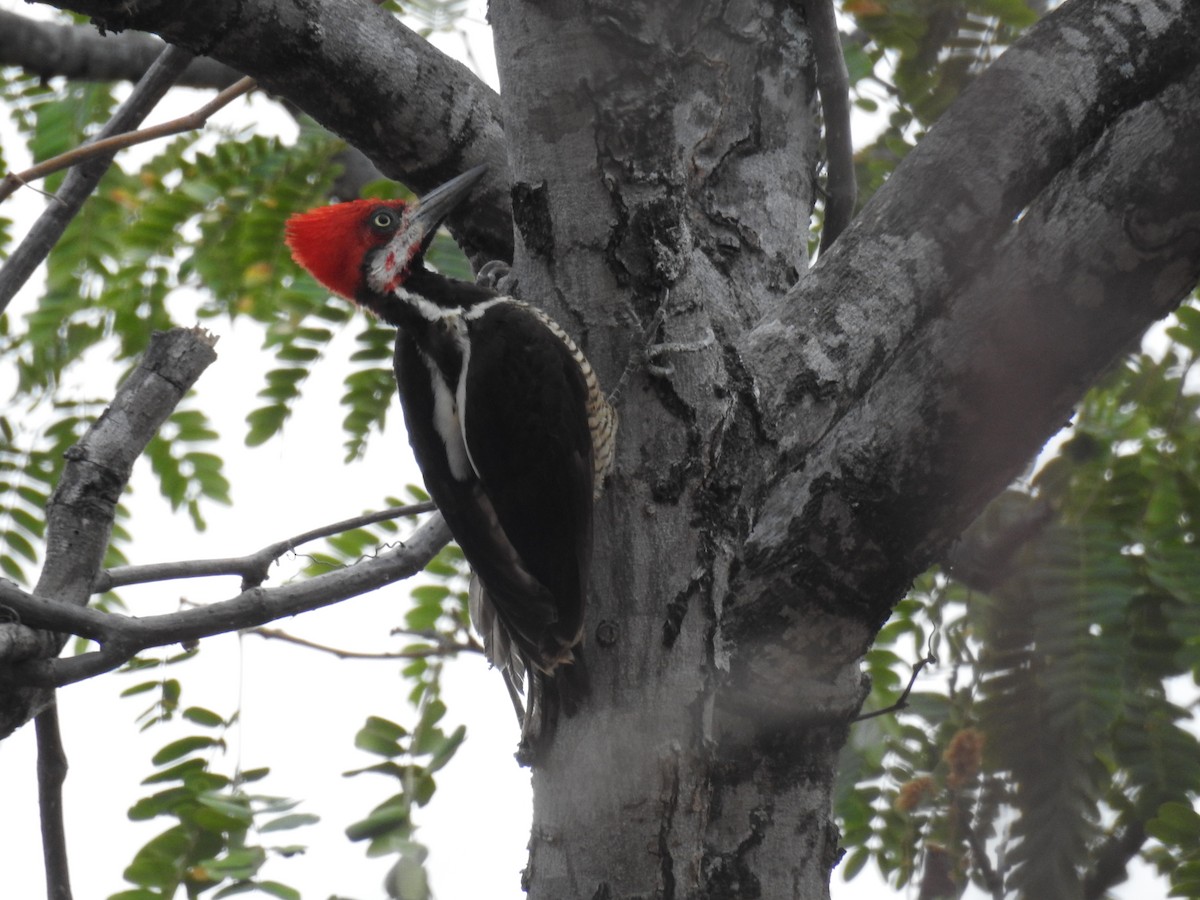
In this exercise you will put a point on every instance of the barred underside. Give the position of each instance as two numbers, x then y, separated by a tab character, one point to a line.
602	417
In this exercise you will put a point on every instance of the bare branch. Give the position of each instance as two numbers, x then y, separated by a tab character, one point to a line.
902	700
979	854
1110	861
440	647
833	86
121	637
52	772
109	146
81	53
80	512
82	180
252	568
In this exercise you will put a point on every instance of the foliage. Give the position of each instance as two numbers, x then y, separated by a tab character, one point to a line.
437	619
213	844
194	231
435	625
919	55
1177	827
1071	611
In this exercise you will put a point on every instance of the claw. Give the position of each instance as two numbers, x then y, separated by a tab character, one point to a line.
498	276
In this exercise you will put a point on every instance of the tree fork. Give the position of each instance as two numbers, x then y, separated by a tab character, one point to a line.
630	186
81	509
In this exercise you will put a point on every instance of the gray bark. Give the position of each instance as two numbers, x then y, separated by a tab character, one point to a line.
778	487
674	169
81	53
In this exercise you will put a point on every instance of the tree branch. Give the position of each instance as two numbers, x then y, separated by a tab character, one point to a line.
833	86
121	637
925	233
80	512
418	115
440	648
1110	861
252	568
983	555
868	501
52	772
82	180
902	700
79	52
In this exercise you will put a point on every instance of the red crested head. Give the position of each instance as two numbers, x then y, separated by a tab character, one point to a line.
333	242
365	249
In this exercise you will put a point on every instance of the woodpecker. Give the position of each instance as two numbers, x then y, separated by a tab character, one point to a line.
505	416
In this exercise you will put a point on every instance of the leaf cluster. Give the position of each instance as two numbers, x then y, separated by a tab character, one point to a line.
216	842
1067	625
412	756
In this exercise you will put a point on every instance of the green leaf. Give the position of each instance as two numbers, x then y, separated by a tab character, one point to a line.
235	808
1176	823
202	716
443	751
183	747
381	737
140	688
384	820
177	772
284	823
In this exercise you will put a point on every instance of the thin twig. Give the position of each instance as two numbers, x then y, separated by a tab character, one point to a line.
252	568
902	702
111	145
979	854
443	648
833	86
82	179
51	773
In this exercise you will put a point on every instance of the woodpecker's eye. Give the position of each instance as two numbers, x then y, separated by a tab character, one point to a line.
383	219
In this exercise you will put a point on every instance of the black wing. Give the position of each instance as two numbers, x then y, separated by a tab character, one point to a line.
527	433
525	523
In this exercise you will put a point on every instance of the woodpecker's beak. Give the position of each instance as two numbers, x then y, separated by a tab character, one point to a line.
441	201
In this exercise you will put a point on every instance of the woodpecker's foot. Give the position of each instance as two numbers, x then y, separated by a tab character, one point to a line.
662	348
498	276
639	355
650	353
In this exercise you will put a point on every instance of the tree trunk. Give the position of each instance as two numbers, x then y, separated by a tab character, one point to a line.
662	157
778	488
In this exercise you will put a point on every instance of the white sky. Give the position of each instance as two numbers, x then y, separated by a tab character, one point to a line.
299	709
